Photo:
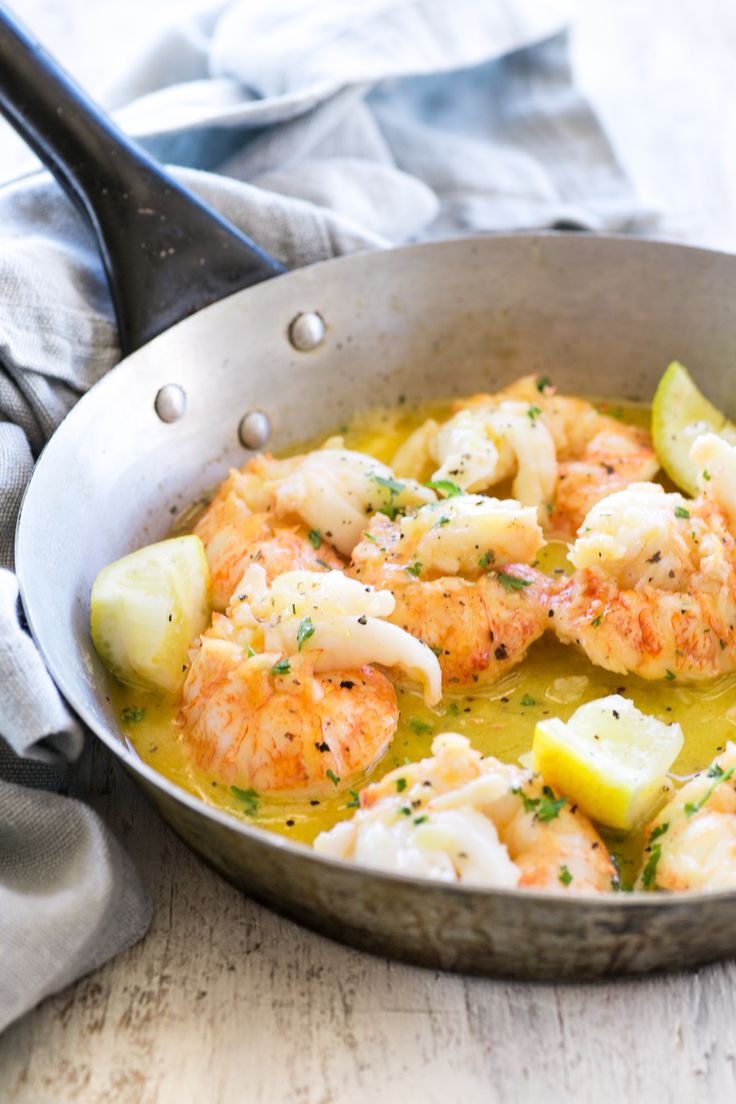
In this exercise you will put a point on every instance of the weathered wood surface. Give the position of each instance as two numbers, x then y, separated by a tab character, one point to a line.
225	1002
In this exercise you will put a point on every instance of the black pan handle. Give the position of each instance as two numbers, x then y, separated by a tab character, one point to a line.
166	254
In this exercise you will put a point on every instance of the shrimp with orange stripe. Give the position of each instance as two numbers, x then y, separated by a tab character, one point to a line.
459	570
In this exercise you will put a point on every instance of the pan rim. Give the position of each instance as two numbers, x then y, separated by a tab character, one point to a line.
604	903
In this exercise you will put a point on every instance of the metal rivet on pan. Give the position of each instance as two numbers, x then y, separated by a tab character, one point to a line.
254	429
171	402
306	331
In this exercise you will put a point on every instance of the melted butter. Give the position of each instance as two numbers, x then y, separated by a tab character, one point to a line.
499	720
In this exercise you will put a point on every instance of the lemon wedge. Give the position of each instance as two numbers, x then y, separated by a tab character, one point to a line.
609	758
146	610
680	413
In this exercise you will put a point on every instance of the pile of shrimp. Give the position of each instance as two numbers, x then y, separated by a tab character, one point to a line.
335	577
460	817
561	454
303	513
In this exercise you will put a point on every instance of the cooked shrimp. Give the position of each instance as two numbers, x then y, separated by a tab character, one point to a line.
655	588
484	444
562	454
282	693
292	514
458	571
459	817
716	461
282	733
691	843
234	537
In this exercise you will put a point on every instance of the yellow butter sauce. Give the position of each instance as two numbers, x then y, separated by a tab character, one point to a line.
499	720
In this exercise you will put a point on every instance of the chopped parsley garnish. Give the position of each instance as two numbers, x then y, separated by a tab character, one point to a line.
394	488
322	563
444	520
303	633
670	675
544	808
597	621
529	803
511	583
453	709
659	831
549	806
250	652
565	875
487	559
533	413
420	819
420	727
283	667
414	569
334	779
315	537
248	798
400	785
528	700
132	714
436	649
542	383
649	873
354	802
681	512
370	537
405	810
719	775
706	476
446	486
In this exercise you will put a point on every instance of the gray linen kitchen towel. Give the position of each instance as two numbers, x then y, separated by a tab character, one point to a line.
319	129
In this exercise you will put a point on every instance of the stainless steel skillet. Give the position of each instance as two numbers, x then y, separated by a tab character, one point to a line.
306	349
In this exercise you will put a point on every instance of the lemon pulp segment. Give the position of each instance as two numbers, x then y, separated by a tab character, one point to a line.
609	758
146	610
680	413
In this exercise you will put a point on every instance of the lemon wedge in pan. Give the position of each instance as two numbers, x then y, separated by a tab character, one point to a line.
680	413
148	608
609	758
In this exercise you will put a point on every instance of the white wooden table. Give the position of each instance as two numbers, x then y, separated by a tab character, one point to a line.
225	1002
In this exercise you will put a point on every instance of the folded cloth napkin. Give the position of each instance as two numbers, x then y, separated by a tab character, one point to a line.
318	129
